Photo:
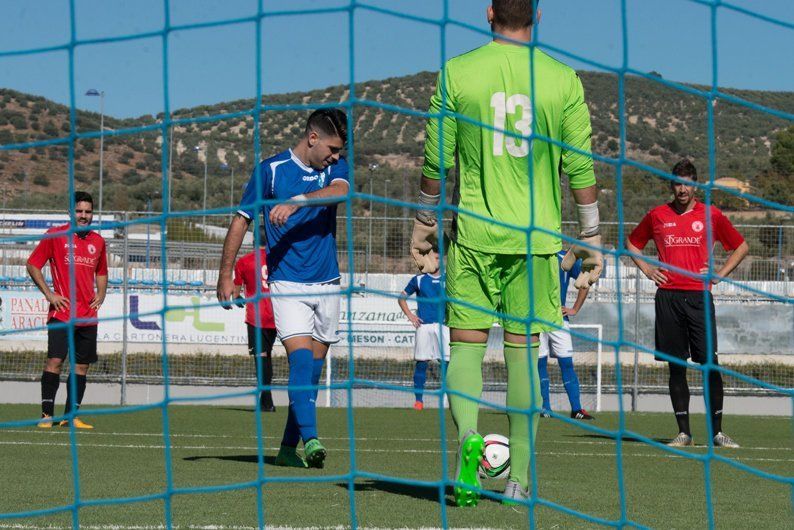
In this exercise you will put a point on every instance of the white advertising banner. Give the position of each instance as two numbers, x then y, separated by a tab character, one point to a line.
195	319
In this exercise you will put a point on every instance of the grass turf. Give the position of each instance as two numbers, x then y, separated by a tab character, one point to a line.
216	446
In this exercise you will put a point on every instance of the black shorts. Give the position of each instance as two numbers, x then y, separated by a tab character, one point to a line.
681	324
84	342
268	338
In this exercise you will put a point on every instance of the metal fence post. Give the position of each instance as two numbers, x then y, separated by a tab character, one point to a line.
635	391
125	311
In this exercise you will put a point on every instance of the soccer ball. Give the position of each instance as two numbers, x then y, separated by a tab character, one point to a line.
495	461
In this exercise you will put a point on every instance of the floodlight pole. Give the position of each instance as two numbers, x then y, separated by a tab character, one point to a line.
204	206
101	94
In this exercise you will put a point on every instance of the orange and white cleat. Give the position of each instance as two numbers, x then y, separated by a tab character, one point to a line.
419	405
45	422
78	424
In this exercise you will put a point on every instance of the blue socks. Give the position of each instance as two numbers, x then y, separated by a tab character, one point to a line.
317	371
302	413
420	378
543	372
292	432
570	382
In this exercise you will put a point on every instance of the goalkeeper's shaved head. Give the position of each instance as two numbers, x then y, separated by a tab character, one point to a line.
513	14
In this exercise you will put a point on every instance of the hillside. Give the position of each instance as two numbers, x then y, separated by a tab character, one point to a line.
662	125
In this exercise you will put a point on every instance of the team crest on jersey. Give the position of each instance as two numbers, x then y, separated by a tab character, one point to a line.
697	226
91	249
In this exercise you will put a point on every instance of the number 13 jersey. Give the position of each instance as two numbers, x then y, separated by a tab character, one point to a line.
489	109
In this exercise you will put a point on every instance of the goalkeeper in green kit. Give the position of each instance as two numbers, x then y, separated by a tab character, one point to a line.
489	112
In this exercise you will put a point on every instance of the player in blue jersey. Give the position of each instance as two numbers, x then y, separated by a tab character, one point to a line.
558	344
302	187
431	337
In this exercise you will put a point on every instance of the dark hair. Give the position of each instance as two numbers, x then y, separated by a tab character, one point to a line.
514	14
331	122
83	196
685	168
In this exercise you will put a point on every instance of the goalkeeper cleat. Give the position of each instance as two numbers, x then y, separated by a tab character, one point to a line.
682	440
419	405
469	456
289	457
581	414
723	440
315	453
514	494
544	413
45	422
78	424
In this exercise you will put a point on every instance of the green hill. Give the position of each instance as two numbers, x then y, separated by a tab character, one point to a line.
662	125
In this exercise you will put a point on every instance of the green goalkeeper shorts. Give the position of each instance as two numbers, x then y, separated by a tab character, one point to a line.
489	283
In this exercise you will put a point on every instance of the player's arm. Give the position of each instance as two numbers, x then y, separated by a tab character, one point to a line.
581	296
651	272
733	242
403	303
101	291
577	163
60	303
40	255
440	145
733	261
335	192
231	246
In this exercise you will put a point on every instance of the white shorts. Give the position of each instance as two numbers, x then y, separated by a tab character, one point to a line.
557	342
306	309
426	347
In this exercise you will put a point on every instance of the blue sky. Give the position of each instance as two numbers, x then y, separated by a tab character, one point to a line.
305	51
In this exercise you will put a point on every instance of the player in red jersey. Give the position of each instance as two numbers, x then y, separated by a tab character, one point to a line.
90	270
684	301
246	276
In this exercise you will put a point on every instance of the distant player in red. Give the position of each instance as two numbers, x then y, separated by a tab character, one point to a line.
246	275
91	270
683	302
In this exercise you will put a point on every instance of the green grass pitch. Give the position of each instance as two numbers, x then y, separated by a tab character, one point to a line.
217	446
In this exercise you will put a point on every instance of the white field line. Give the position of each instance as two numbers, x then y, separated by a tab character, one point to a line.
451	441
390	451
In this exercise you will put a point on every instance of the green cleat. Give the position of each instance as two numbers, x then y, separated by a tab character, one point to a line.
315	453
288	457
469	456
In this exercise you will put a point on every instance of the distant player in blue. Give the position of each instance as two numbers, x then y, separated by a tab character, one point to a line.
303	268
431	337
558	344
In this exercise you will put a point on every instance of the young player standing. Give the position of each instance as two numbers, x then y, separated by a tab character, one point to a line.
684	301
501	104
432	337
303	269
250	271
87	249
558	344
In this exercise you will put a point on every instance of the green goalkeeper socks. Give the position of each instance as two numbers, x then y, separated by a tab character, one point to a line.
519	396
464	375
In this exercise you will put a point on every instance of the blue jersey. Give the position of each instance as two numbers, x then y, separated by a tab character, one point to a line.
566	277
426	286
304	249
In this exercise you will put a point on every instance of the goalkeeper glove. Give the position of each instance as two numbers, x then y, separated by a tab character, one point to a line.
592	261
424	241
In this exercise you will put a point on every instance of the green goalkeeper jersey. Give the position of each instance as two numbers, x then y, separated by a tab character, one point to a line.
490	105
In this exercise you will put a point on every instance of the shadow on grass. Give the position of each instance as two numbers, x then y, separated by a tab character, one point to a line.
247	409
426	493
248	459
630	439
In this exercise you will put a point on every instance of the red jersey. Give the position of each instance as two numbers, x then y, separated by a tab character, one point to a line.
90	260
681	241
245	275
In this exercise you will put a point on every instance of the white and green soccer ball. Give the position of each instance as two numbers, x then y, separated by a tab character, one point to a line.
495	461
